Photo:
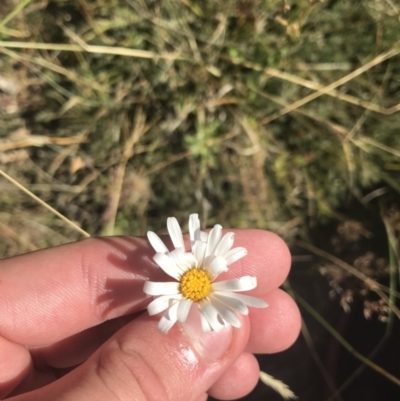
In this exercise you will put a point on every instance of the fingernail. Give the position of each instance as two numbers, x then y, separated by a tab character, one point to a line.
211	346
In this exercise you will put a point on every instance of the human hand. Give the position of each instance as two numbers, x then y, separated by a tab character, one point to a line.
71	326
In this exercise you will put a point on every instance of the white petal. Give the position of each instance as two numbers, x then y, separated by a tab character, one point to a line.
162	303
244	283
254	302
199	249
225	244
207	261
167	264
165	324
211	315
228	299
175	232
235	254
152	288
203	236
229	316
183	309
194	227
190	260
179	257
172	312
217	266
204	324
213	239
169	319
156	242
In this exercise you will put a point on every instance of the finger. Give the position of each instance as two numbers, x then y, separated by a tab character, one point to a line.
268	259
15	365
49	295
52	294
272	330
239	380
74	350
275	328
141	363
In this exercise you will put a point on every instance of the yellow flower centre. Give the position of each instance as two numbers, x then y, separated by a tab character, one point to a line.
195	284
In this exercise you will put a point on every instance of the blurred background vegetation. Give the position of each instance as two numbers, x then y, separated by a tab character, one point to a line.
279	115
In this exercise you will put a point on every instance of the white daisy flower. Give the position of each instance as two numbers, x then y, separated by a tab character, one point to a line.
195	273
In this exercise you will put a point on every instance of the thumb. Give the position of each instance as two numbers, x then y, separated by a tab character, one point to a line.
140	363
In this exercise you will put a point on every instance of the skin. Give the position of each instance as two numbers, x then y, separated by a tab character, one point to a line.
72	325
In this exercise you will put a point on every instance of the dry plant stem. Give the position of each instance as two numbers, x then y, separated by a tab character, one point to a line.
371	283
92	22
111	213
387	300
277	385
348	150
391	303
316	86
53	67
344	343
14	12
39	140
58	214
342	96
118	51
378	145
13	32
163	164
393	241
307	337
389	326
394	266
329	381
377	60
321	90
336	128
360	141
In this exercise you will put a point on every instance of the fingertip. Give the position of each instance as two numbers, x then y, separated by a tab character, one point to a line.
275	328
268	258
239	380
15	364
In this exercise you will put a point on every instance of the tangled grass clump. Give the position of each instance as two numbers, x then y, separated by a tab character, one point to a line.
119	113
272	114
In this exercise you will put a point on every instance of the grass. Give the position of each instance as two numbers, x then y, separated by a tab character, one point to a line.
254	113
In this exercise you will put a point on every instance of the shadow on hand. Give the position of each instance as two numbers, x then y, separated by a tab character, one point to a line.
133	255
